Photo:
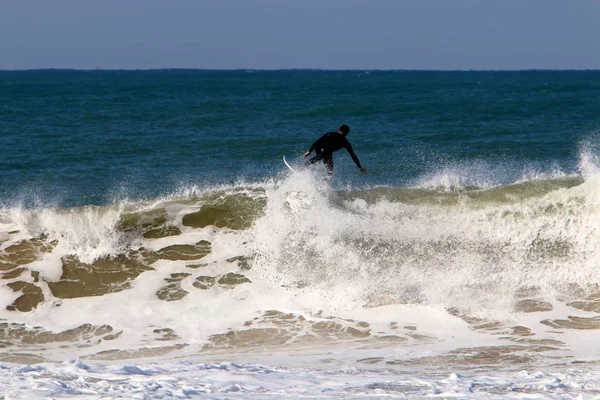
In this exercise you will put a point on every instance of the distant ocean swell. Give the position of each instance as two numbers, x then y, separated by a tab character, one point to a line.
292	262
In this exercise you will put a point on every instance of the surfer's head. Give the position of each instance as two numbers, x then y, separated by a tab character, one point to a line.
344	130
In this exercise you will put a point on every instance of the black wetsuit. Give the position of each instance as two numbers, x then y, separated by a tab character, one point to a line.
326	145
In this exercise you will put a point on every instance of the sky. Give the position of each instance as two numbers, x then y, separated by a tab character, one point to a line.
284	34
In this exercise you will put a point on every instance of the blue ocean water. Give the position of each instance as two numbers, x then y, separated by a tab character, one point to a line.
73	138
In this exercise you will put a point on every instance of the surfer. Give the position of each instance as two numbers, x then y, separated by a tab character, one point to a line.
327	144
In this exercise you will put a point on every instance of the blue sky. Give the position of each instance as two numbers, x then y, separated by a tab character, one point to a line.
275	34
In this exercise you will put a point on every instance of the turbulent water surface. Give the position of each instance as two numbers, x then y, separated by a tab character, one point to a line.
153	244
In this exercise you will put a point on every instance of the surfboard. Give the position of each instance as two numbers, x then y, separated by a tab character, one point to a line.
288	165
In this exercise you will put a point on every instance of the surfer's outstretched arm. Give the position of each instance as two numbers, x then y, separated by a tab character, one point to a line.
355	159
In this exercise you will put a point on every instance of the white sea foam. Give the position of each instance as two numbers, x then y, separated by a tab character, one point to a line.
396	268
76	379
483	175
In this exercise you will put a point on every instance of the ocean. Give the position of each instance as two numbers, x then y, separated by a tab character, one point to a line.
154	245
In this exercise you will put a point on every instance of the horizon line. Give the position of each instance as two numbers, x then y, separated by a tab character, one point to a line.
302	69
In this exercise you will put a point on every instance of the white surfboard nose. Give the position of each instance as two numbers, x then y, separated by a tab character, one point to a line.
288	165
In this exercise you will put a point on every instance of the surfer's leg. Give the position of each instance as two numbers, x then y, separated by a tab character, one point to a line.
317	157
313	160
328	161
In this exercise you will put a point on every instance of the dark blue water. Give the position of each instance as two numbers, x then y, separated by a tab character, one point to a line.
72	138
